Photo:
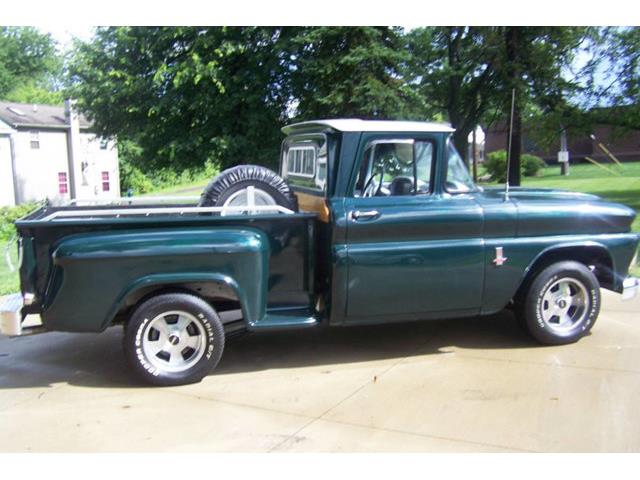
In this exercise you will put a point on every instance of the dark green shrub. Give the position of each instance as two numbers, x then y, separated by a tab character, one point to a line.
531	165
496	165
10	214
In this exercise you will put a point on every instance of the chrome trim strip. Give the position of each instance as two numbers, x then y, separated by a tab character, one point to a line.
61	214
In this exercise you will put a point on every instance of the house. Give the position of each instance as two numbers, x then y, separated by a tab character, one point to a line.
50	152
625	145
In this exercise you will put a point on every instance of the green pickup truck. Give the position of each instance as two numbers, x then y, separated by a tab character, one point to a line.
368	222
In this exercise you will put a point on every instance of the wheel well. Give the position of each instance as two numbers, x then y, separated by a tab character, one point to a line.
218	294
596	258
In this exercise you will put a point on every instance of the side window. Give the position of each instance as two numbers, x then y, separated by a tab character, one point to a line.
304	163
458	178
395	168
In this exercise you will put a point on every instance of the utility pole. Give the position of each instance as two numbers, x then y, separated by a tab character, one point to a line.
474	158
563	154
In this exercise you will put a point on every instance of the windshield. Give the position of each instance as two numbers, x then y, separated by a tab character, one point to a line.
458	178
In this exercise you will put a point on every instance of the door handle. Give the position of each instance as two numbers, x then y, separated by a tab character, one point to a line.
356	215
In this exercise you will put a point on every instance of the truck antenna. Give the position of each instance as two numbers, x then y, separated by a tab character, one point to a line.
506	185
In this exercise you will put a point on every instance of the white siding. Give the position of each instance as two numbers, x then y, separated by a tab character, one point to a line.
37	169
7	197
102	163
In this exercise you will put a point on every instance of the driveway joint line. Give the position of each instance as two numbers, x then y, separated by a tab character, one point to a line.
427	435
547	364
243	405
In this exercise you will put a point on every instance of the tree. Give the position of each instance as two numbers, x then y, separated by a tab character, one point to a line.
28	65
534	63
349	72
453	70
186	94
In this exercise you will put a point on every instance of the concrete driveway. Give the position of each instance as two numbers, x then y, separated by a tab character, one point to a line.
460	385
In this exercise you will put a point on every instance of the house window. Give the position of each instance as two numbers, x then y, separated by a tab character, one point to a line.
63	184
105	181
35	140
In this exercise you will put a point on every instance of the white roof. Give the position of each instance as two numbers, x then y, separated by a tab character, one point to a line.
357	125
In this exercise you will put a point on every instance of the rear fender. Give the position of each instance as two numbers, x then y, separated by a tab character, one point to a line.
169	280
93	274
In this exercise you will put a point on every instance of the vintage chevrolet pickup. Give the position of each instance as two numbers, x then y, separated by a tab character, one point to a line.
391	228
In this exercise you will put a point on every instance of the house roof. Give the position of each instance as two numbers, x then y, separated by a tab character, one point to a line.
5	129
357	125
34	115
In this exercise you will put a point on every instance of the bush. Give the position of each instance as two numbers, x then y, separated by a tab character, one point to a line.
531	165
496	165
133	178
10	214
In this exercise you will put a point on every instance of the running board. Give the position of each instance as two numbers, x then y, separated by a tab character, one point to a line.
285	321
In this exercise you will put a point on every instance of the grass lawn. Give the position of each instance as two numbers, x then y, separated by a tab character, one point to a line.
186	189
8	279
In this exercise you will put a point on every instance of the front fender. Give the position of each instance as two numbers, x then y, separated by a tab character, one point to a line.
93	273
523	253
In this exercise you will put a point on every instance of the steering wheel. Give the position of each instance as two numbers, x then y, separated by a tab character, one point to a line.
369	189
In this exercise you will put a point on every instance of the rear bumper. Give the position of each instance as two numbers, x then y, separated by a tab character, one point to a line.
11	318
630	288
11	315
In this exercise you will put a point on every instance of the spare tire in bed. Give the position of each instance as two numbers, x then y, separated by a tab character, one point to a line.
231	188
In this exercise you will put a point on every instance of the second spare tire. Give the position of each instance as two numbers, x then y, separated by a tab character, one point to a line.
235	186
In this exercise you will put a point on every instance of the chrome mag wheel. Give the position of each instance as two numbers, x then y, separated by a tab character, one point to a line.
249	197
174	341
565	304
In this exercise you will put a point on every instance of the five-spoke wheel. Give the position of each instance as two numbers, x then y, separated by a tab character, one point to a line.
561	303
173	339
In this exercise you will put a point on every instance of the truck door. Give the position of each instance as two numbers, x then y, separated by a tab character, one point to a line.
414	232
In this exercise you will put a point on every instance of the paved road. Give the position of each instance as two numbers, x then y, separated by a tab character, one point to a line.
461	385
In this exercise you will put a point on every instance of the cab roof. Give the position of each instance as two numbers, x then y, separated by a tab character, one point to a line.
357	125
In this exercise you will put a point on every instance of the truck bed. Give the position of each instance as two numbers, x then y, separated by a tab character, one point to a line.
291	239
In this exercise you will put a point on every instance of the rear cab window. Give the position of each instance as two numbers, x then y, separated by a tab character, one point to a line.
304	163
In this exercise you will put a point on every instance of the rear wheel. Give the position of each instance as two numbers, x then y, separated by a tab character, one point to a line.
173	339
561	304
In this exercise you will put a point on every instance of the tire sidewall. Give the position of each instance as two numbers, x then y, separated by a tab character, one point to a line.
138	326
533	311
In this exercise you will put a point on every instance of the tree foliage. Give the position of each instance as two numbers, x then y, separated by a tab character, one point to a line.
349	72
454	70
29	65
187	95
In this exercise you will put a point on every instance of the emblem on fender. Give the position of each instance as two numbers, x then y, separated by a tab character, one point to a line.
500	258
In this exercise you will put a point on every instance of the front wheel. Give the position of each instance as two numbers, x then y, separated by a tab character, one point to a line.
561	304
173	339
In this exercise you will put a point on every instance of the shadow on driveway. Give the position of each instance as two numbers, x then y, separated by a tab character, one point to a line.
97	360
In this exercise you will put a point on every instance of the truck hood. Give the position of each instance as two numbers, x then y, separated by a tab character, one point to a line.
545	211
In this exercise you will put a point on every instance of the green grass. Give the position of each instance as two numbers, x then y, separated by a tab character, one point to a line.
8	280
185	189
